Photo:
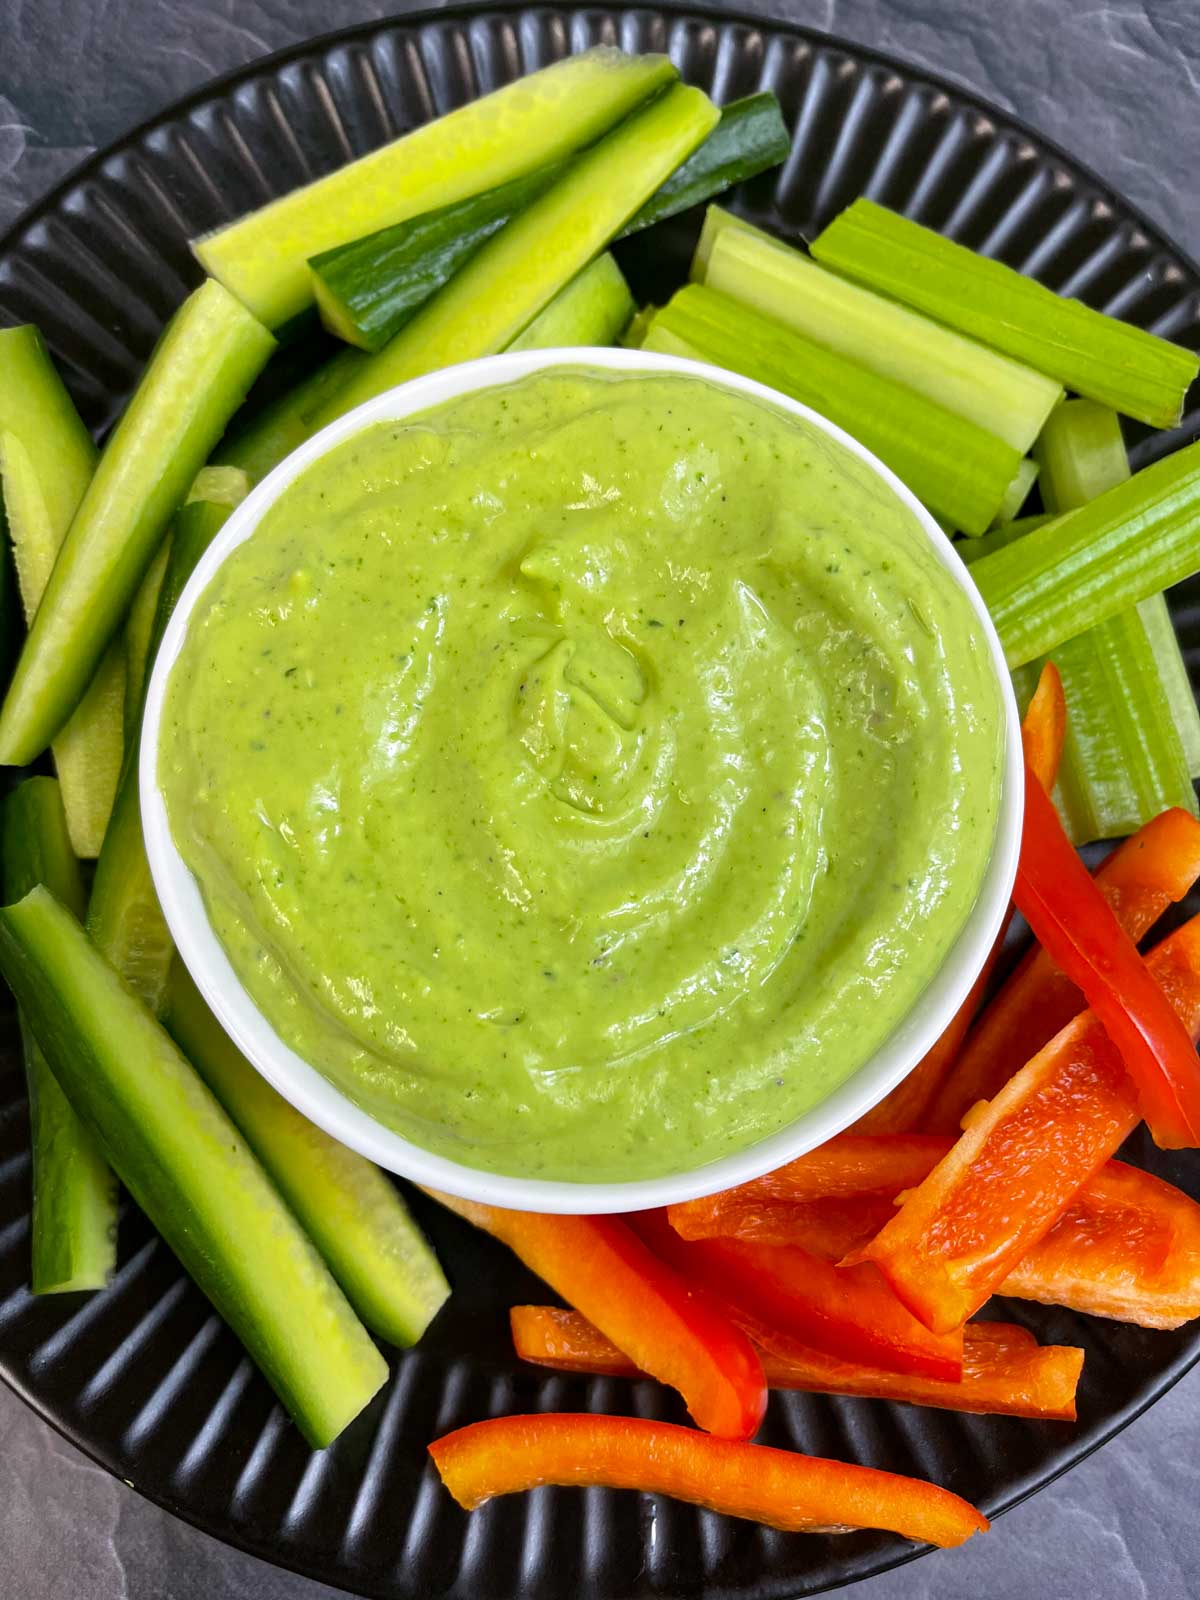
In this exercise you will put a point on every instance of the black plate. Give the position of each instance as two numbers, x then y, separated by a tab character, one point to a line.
144	1378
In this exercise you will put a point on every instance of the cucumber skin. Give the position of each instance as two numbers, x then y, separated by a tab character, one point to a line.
124	919
367	290
487	304
206	360
351	1211
750	137
73	1242
190	1171
528	123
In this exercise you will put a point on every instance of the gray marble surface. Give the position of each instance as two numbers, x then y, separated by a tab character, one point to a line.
1119	85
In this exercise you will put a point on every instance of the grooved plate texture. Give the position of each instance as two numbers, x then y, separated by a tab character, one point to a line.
144	1377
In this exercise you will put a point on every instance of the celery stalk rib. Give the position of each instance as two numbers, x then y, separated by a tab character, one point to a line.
1098	356
958	373
1123	760
957	469
1081	568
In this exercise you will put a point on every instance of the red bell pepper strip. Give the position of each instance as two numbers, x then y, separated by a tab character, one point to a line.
1044	728
1002	1375
798	1494
1021	1159
848	1313
1142	877
1127	1246
602	1268
907	1106
1076	927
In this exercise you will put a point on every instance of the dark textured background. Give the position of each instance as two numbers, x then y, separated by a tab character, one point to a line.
1117	85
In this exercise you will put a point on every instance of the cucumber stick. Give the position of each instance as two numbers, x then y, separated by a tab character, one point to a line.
124	919
74	1236
199	373
591	310
502	288
750	137
350	1210
957	469
189	1169
958	373
1123	758
1113	362
368	289
288	421
139	625
46	462
539	119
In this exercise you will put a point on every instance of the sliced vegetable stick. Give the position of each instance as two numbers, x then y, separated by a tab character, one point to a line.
1074	923
1127	1246
799	1494
1142	877
605	1271
849	1314
1022	1158
1005	1370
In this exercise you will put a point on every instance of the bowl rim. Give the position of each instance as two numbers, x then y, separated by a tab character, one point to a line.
315	1096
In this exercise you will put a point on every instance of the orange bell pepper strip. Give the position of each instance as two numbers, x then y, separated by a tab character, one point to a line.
1076	927
1127	1246
1044	728
798	1494
849	1165
847	1313
907	1106
602	1268
1021	1159
1002	1376
1143	876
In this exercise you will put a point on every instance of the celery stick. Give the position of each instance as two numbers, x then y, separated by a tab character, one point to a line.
1017	492
1081	568
1081	453
198	375
639	327
74	1233
591	310
1164	641
46	463
138	627
350	1210
519	271
1123	761
1124	367
527	124
124	919
189	1169
956	468
972	550
958	373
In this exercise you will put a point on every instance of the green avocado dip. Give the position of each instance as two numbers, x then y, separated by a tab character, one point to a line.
587	775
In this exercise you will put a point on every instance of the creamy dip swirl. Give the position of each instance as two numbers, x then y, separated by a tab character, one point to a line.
585	776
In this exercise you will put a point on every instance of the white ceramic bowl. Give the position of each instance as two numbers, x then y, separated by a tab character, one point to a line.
325	1105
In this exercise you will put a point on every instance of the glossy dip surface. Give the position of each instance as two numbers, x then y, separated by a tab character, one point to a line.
587	775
